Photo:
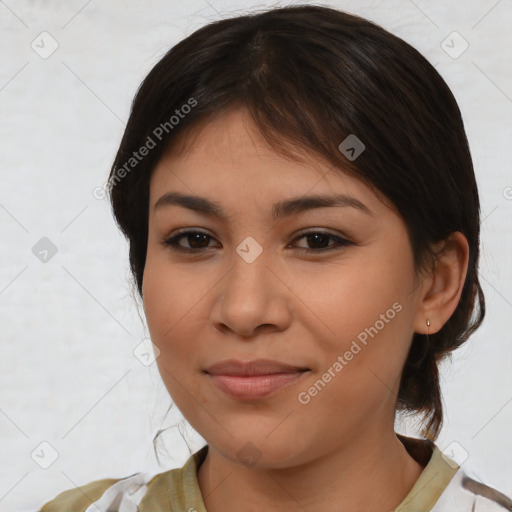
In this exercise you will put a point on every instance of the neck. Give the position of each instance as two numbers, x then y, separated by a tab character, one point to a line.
373	473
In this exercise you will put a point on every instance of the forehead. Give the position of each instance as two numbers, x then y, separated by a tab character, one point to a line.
230	139
227	157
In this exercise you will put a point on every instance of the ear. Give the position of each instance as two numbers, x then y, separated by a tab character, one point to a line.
441	289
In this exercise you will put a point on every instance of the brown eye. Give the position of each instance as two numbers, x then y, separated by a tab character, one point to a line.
196	240
319	241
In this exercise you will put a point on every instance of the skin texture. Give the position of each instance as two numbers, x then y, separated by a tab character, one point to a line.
299	308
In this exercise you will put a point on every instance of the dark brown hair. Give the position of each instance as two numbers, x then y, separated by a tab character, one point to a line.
310	76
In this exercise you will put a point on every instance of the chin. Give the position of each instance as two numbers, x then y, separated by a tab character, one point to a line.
258	451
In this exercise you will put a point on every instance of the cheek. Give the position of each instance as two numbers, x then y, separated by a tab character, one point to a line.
347	301
169	306
361	373
171	317
369	315
168	295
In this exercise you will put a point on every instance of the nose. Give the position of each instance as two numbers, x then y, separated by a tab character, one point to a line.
251	299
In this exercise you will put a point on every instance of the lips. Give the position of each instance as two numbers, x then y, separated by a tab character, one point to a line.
255	367
253	379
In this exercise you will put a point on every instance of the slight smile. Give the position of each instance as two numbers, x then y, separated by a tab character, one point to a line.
255	379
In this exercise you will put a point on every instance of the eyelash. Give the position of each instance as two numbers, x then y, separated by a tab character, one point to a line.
172	242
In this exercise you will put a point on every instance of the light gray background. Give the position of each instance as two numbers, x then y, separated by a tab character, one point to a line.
69	326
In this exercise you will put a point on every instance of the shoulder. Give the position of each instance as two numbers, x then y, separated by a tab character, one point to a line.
112	494
486	498
174	489
79	498
464	493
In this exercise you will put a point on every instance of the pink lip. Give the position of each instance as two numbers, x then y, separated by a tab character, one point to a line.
253	379
251	388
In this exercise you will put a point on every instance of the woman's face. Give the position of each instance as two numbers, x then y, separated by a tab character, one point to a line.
255	287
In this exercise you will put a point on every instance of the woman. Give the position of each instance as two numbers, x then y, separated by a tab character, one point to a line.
303	219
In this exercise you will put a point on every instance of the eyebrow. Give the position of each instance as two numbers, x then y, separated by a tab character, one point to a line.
281	209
